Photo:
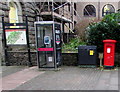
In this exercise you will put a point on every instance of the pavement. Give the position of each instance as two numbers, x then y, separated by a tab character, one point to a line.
67	78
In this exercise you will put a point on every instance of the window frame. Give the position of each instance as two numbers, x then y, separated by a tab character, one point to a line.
92	6
107	12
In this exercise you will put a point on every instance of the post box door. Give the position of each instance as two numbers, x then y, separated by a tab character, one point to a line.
109	51
109	56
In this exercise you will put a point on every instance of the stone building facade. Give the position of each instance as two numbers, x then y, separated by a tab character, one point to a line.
119	5
3	11
97	9
22	9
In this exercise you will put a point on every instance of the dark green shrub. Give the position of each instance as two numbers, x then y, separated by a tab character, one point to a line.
108	28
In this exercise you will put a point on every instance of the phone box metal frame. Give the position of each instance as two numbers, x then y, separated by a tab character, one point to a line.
87	55
48	50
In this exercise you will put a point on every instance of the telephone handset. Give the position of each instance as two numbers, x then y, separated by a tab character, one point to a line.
47	40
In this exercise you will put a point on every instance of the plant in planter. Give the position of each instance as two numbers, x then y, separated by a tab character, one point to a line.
73	44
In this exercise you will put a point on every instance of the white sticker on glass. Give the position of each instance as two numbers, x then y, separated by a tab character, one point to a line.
50	59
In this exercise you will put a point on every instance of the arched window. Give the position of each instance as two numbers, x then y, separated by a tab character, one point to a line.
108	9
90	11
13	13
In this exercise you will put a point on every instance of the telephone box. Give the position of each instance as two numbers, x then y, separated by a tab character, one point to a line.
48	41
109	51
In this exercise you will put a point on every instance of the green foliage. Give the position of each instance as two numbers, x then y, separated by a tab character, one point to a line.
108	28
114	17
13	37
73	44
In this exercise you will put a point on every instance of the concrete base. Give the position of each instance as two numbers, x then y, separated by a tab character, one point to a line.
108	67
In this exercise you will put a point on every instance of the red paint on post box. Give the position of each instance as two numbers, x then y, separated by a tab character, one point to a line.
109	52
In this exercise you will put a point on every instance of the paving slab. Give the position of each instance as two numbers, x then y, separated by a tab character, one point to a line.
73	78
13	80
7	70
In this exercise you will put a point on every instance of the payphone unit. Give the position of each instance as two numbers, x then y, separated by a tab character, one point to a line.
48	43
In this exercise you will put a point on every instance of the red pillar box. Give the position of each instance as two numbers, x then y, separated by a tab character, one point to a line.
109	52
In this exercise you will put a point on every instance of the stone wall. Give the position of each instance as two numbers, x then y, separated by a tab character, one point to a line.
21	58
117	59
68	59
3	12
18	55
29	10
72	59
